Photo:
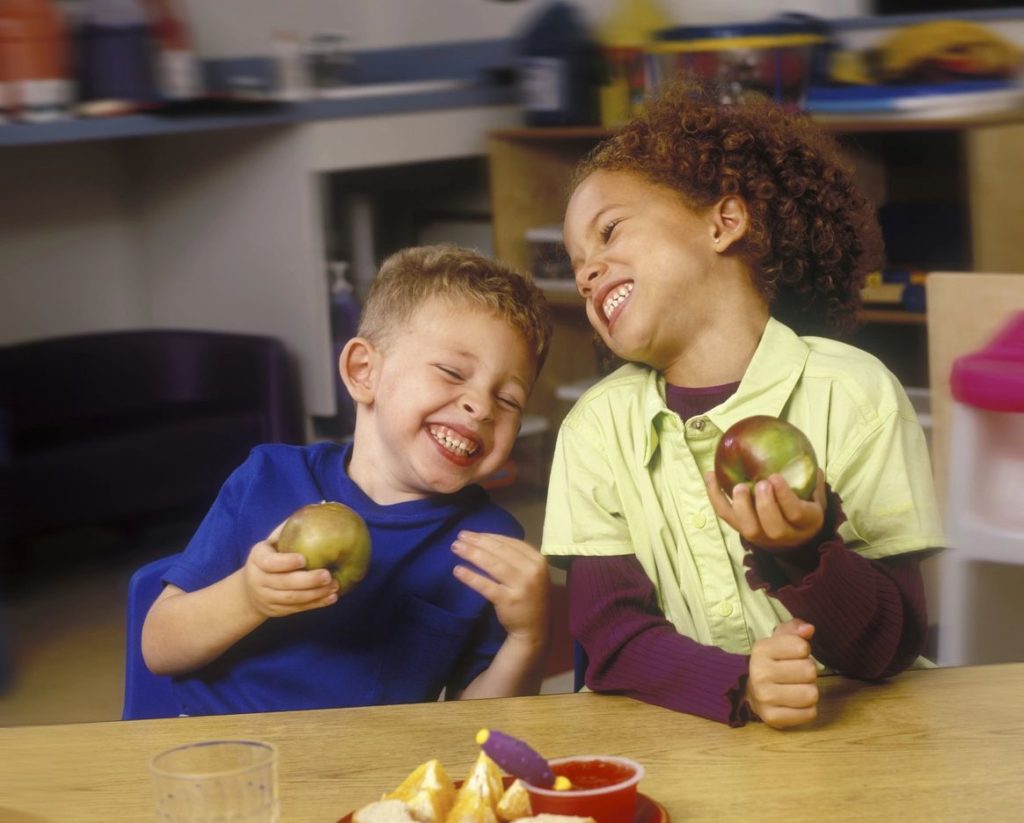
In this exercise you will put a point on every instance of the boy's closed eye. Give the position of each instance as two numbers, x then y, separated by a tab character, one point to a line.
510	402
450	372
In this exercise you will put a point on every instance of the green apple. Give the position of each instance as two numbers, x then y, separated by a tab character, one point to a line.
756	447
330	536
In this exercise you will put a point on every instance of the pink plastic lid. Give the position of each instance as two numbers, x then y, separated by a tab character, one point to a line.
992	378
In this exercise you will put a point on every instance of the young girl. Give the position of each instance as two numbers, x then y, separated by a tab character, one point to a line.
693	233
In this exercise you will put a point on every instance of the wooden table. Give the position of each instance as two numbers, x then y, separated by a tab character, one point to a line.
936	745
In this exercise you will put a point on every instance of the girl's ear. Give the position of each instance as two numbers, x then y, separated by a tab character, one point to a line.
729	221
358	366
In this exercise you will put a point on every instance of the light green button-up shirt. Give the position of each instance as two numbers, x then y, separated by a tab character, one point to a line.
627	477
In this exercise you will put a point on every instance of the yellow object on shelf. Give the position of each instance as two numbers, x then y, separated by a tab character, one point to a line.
887	293
624	38
947	47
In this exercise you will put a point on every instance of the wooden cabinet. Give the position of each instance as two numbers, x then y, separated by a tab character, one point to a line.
976	164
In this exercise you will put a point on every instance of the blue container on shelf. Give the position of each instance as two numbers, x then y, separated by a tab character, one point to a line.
777	58
556	68
116	53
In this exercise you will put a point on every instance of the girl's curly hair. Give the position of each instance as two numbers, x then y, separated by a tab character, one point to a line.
813	235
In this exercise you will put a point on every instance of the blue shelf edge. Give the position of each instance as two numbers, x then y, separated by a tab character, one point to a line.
281	114
475	68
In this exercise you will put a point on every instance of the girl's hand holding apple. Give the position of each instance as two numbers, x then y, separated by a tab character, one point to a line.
767	484
771	516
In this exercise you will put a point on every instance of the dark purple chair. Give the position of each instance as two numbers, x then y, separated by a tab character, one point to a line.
108	427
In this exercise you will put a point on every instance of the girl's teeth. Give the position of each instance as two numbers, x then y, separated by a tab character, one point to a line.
615	298
453	443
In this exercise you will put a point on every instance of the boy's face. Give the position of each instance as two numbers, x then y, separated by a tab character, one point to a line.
448	395
643	262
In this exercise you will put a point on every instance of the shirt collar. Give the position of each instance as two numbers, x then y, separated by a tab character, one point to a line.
767	384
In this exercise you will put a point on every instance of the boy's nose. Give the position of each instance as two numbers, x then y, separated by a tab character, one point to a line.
476	406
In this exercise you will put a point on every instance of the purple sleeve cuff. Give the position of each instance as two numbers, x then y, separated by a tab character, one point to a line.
870	616
633	650
763	569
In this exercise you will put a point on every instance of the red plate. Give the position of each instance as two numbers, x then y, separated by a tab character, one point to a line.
647	811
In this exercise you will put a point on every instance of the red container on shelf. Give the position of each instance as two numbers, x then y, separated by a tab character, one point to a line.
34	61
178	76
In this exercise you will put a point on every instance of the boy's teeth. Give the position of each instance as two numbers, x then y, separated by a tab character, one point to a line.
451	441
615	298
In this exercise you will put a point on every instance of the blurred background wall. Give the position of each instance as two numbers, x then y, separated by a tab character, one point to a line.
242	27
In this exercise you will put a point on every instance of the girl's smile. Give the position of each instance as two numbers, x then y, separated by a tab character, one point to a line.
613	297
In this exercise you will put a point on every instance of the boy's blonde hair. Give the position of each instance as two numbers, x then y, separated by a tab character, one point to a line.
411	276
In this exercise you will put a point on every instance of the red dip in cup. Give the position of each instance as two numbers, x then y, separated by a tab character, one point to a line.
604	788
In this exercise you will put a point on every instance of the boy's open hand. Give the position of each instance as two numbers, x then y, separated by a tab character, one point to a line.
772	517
278	583
515	580
782	688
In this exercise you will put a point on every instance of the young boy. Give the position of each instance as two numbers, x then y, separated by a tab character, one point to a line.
448	350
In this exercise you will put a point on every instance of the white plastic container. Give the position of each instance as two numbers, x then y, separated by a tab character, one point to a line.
985	499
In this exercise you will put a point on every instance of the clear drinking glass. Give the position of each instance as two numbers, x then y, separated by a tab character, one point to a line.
216	781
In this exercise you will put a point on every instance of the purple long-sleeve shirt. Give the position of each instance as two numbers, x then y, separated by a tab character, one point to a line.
869	615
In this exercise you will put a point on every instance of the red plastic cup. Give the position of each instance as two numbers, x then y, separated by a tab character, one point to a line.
604	788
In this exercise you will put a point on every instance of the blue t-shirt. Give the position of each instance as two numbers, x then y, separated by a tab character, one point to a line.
408	630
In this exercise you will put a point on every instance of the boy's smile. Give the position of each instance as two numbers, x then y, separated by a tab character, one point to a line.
459	447
448	391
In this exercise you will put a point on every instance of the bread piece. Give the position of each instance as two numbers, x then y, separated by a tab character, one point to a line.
383	811
514	803
428	793
556	818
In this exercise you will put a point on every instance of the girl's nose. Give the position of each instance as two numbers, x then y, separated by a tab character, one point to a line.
586	275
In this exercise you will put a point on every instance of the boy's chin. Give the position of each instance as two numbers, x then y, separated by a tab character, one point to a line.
453	484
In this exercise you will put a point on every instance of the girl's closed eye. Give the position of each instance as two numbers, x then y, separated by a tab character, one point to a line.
609	227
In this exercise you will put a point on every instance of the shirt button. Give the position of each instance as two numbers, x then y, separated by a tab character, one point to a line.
698	520
725	608
698	424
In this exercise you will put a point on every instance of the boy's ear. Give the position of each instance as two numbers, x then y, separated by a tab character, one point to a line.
358	368
730	220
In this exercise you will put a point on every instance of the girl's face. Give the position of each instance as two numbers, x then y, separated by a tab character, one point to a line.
643	261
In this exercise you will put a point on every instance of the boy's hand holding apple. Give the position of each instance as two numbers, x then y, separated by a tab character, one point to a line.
318	554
